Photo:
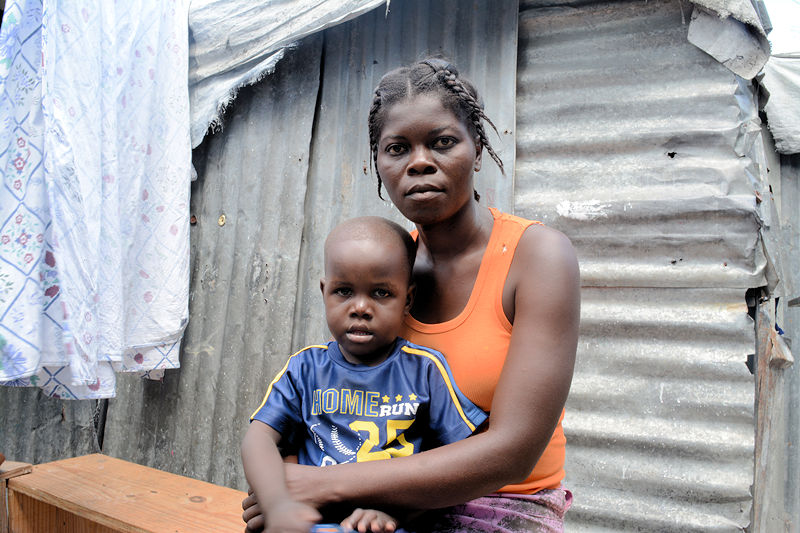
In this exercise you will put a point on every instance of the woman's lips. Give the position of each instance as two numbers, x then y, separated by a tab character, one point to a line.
423	192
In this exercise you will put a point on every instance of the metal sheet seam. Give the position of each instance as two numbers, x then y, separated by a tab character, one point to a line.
749	146
302	262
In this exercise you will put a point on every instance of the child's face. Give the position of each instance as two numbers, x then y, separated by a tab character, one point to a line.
366	293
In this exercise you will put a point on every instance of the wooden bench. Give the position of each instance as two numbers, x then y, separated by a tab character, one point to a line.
100	494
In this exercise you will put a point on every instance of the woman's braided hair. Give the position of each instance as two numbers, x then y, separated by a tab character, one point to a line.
433	75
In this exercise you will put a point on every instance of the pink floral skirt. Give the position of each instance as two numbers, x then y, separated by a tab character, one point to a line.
542	512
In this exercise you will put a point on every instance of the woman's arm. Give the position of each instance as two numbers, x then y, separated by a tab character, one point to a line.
527	403
263	468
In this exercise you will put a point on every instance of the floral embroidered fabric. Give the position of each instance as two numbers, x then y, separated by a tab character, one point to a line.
95	162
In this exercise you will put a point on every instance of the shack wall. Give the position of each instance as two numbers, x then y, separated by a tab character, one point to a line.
637	145
634	143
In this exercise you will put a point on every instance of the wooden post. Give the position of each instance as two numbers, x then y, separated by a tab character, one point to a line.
8	469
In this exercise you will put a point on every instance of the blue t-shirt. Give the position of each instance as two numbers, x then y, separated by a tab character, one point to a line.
331	411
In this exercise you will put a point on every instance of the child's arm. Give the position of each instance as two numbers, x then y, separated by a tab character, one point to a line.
264	470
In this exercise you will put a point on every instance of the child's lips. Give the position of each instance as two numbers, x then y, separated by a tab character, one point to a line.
359	334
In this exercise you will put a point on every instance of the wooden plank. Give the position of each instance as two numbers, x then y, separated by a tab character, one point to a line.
8	469
11	469
3	507
127	497
29	515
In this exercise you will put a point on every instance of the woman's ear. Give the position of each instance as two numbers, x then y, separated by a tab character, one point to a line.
412	288
478	154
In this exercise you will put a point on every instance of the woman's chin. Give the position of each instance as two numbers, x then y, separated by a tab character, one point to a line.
423	213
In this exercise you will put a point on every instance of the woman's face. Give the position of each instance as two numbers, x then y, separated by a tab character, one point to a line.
426	159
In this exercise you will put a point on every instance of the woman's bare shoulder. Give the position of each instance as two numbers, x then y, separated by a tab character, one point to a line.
544	250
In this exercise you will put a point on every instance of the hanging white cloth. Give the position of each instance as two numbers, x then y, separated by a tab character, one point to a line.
234	43
96	160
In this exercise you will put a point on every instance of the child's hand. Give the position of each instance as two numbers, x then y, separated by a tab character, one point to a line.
289	516
363	520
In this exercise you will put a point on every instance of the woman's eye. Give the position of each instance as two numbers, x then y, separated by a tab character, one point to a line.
444	142
395	149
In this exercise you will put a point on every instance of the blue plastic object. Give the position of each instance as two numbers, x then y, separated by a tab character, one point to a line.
329	528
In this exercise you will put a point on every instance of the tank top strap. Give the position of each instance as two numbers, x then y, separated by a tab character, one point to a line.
487	291
508	231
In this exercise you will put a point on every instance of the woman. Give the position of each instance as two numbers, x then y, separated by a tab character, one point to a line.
498	295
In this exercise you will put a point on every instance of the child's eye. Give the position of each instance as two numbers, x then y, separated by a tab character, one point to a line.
381	293
342	291
444	142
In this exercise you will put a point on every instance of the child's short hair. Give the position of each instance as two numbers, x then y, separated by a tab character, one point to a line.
374	227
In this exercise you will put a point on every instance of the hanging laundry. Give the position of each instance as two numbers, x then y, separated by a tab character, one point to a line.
235	43
96	164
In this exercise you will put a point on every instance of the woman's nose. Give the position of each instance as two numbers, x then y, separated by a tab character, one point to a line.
420	162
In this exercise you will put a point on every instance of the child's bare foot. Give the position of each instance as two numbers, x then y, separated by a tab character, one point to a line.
363	520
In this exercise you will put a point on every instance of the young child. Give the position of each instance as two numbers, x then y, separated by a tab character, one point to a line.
364	396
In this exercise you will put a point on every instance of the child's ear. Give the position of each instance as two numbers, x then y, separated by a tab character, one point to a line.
409	298
322	285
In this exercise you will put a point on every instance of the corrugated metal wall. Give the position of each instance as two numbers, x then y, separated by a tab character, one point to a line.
633	142
782	464
790	221
38	429
629	139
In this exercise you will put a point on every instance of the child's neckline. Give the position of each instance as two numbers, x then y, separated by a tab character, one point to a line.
336	355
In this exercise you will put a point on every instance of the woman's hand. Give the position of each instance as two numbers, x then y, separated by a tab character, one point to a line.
304	484
285	516
290	516
301	488
252	513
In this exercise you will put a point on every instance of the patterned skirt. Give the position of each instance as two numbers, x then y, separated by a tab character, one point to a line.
542	512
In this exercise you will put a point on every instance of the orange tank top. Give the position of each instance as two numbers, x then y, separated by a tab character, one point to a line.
476	342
